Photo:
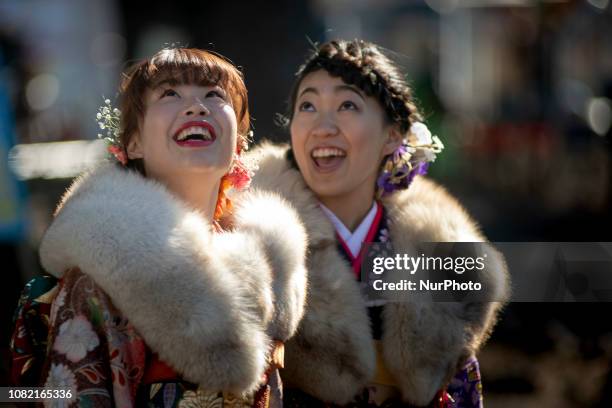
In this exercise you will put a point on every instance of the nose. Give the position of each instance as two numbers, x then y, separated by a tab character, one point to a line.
325	127
196	108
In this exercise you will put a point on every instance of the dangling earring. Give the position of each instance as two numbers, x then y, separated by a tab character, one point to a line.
239	178
223	201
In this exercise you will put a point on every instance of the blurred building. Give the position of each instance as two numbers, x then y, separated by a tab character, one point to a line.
520	91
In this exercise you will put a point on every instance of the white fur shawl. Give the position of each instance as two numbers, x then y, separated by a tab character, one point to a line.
332	357
208	304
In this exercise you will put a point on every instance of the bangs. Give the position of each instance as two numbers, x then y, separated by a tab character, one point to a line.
190	67
180	66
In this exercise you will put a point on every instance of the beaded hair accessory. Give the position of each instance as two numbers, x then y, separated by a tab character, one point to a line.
410	159
109	120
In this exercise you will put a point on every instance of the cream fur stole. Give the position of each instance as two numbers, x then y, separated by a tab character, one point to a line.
332	357
208	304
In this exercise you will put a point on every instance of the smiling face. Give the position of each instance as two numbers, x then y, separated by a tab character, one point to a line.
186	129
339	137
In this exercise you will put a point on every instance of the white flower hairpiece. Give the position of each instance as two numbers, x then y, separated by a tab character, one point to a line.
109	120
409	160
425	145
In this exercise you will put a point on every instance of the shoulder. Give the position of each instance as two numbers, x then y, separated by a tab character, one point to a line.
428	212
108	190
81	298
276	173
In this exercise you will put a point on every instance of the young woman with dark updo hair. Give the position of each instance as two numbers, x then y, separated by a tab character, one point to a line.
151	301
354	172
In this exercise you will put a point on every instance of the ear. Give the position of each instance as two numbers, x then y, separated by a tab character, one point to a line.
394	139
134	147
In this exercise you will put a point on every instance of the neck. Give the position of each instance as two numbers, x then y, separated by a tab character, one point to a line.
350	210
198	194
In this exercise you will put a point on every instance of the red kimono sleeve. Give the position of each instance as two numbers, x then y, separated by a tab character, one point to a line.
93	349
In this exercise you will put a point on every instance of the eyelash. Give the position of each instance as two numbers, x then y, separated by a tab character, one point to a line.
352	104
303	106
307	105
167	93
216	93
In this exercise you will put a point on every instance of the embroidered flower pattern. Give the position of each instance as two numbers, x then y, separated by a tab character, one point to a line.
384	235
111	371
76	338
201	399
60	377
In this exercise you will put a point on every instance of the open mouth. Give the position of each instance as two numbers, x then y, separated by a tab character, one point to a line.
327	158
195	134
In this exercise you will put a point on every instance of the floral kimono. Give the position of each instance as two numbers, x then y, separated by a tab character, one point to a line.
95	349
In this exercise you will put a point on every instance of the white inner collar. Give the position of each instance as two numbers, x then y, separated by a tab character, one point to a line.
355	239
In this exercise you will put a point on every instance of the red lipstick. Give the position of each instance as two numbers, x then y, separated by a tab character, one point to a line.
195	142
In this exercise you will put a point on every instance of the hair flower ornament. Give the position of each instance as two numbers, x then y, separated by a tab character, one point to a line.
109	120
410	159
420	133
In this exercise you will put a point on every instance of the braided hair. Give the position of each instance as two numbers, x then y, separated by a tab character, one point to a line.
362	64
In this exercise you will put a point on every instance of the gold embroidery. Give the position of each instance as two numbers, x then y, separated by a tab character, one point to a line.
215	399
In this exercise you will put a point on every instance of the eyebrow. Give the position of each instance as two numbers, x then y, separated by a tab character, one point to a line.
337	89
158	88
164	84
174	83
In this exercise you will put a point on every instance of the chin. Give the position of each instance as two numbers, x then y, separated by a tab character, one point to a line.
206	166
331	189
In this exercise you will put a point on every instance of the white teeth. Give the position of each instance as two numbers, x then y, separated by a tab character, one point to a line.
327	152
194	130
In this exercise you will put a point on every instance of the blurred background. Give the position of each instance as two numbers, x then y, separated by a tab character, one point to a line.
520	91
